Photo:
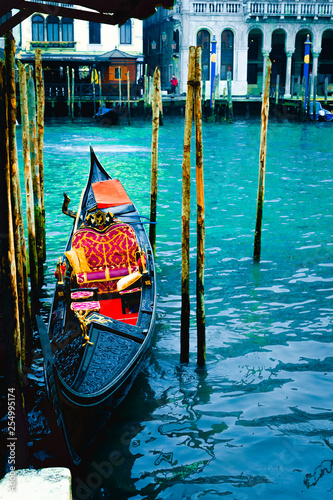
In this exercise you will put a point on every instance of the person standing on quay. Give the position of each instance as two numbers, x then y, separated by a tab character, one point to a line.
174	83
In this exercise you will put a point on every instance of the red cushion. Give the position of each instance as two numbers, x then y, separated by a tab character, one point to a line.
110	193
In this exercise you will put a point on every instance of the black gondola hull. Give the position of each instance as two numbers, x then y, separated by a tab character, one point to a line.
87	382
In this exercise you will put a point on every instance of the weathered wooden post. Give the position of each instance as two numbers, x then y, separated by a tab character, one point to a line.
314	96
160	101
292	86
326	89
303	111
201	321
100	88
298	87
40	93
128	99
262	163
154	156
9	306
308	98
73	95
68	92
150	92
145	92
19	257
35	169
230	108
94	88
119	81
277	89
29	189
186	190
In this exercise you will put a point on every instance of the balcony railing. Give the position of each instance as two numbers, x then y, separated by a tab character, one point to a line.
268	8
52	45
217	7
289	9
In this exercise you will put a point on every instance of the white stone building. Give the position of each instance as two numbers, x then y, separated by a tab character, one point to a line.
246	32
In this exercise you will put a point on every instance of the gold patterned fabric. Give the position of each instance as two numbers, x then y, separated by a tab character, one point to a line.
113	249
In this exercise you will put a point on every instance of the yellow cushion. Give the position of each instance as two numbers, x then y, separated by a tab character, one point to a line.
84	266
77	260
73	260
126	281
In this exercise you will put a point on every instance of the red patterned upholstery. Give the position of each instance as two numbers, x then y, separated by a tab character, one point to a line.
109	254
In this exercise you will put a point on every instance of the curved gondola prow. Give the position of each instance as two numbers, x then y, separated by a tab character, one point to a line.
96	174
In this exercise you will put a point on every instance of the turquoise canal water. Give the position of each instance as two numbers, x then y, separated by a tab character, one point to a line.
257	422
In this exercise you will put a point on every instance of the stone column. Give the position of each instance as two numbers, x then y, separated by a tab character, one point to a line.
315	56
240	73
287	94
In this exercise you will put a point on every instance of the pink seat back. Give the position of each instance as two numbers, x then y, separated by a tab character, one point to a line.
114	248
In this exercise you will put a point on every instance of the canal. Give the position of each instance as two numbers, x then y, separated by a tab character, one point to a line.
257	422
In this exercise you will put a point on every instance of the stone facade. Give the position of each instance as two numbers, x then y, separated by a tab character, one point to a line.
246	33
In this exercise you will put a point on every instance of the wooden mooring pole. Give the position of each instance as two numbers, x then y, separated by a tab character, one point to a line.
186	190
201	334
18	224
33	261
160	101
128	99
325	89
230	108
10	310
119	84
68	92
35	169
262	163
145	92
40	94
100	88
154	157
314	97
73	95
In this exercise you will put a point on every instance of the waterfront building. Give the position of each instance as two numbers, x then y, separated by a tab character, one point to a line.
246	33
84	48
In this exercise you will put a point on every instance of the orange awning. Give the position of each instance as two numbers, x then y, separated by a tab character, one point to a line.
110	193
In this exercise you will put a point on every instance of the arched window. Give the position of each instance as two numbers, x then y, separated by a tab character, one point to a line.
203	41
67	29
227	54
126	32
37	29
52	24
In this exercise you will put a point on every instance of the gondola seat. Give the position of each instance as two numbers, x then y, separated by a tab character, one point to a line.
104	256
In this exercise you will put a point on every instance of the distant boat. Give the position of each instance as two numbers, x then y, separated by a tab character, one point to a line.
107	116
322	114
103	313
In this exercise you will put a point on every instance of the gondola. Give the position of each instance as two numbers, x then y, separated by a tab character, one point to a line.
107	116
321	114
103	313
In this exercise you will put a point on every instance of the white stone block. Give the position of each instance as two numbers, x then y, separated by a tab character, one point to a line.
53	483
